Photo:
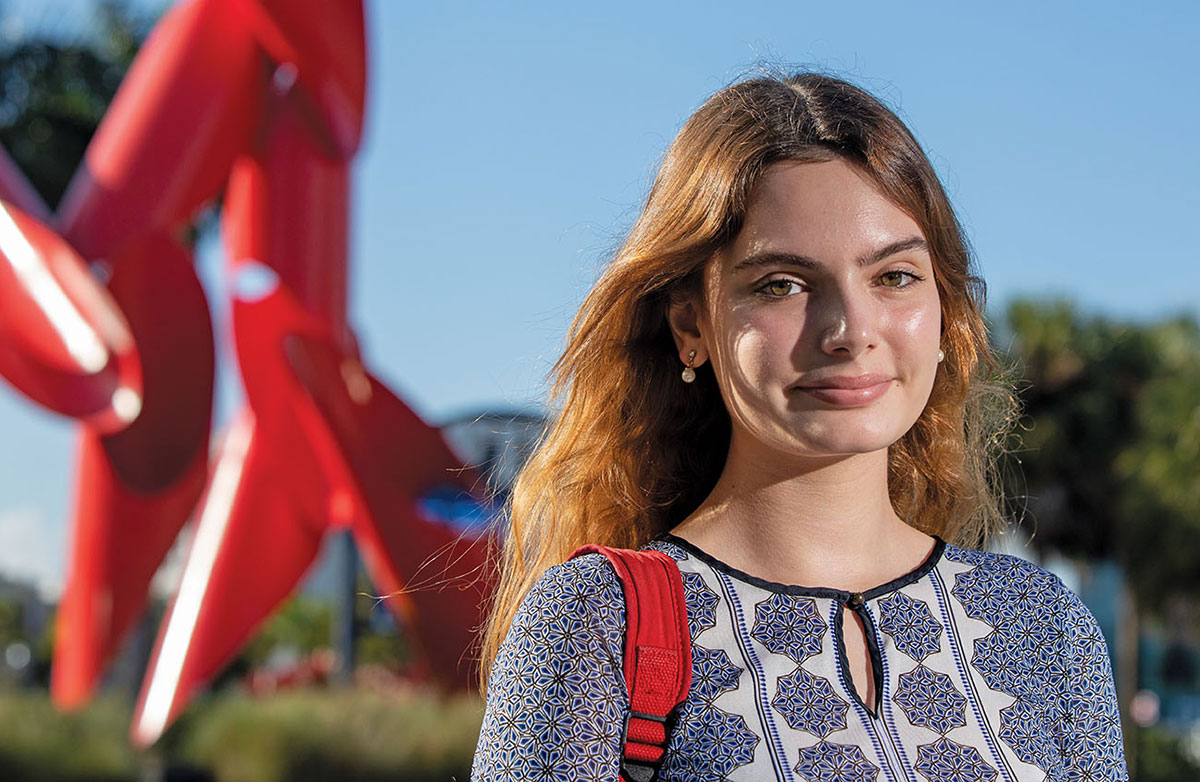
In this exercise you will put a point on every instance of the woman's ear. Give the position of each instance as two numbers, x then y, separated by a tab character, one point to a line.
683	315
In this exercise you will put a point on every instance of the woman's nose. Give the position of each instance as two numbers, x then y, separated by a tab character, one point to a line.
848	323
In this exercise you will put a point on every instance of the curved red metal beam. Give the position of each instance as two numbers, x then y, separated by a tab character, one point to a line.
64	342
137	487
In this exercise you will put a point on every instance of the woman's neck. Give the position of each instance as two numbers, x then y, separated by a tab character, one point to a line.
826	522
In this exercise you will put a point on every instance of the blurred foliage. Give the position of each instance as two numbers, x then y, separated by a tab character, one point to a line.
301	625
1161	757
12	625
1160	470
388	651
53	93
342	734
1111	440
300	735
37	742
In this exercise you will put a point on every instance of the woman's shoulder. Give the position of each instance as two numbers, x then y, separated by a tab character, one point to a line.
556	693
998	564
588	574
580	592
997	586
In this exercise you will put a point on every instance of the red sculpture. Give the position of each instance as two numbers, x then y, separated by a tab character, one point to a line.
264	100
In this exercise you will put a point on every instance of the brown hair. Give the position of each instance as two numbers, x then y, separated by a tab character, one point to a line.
633	451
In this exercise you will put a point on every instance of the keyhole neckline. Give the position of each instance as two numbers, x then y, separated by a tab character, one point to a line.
843	596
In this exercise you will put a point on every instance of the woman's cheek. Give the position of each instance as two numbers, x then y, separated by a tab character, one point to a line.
918	324
762	348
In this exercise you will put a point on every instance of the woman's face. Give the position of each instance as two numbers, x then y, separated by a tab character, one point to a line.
821	319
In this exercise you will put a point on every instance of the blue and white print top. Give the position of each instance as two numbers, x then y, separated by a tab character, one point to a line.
987	669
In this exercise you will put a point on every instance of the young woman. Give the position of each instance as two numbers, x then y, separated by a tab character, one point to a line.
782	381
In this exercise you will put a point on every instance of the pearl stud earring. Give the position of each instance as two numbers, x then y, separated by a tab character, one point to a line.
689	374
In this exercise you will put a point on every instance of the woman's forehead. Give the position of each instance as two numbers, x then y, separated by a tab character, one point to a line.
828	211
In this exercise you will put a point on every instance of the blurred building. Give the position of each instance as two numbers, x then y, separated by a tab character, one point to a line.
495	442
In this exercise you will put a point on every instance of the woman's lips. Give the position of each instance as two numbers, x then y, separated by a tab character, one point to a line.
848	391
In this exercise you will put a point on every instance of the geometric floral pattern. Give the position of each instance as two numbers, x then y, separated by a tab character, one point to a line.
987	652
712	673
1022	728
911	625
945	761
808	703
1003	664
716	743
672	551
930	700
701	603
790	626
826	762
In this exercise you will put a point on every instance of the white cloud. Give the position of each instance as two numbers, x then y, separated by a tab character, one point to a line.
33	550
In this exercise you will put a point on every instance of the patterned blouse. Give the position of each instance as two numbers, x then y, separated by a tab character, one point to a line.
989	668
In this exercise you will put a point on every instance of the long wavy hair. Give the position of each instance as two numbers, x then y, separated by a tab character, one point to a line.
633	451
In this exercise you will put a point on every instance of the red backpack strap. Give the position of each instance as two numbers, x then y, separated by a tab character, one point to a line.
658	653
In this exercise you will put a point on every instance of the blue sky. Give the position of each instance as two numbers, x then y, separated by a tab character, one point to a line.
509	146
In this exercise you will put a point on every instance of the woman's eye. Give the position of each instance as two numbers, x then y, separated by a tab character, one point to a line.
898	279
779	288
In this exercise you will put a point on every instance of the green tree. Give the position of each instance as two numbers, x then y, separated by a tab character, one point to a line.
301	625
1159	472
53	93
1110	442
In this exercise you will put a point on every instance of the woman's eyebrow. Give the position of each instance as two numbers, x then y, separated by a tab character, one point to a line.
774	258
888	250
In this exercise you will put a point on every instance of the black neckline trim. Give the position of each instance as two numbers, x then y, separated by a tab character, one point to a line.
841	595
871	637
